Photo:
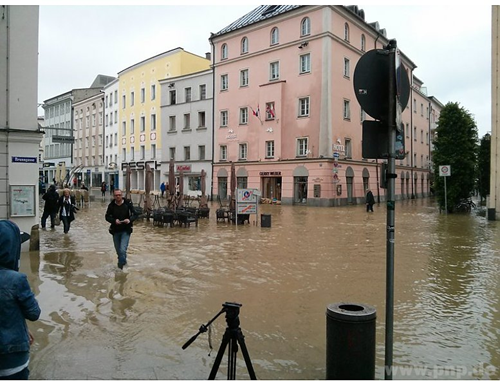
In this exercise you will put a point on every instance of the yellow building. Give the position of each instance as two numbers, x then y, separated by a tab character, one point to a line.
139	110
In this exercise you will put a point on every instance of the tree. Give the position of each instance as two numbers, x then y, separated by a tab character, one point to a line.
455	144
484	166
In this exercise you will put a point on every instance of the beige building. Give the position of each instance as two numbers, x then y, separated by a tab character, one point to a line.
139	110
493	204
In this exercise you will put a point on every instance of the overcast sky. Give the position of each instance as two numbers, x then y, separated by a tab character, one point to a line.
450	44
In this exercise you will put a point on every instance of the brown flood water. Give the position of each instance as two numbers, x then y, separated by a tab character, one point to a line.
98	322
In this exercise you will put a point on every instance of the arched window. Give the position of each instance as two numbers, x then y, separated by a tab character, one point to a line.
244	45
346	32
274	36
305	26
224	51
362	43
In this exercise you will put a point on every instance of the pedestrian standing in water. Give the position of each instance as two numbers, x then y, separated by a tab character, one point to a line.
17	303
103	189
120	214
369	201
51	198
67	209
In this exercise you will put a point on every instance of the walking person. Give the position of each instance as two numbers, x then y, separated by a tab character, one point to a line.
67	209
17	303
162	188
51	198
103	189
120	214
369	201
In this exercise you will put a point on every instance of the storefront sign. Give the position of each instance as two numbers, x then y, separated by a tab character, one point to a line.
140	165
183	168
277	173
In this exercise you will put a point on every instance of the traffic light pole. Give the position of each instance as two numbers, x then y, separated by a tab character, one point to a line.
390	211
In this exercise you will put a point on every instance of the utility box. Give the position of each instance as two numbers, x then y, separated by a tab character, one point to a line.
265	220
316	190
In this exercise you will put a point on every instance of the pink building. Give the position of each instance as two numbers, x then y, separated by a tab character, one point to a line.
286	112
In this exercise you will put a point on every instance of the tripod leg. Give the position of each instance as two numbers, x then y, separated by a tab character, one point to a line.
232	357
245	353
220	353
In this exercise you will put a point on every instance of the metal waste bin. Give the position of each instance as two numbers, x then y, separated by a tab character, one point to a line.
351	341
265	220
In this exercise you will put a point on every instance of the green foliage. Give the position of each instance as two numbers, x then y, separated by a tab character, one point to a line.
484	166
455	144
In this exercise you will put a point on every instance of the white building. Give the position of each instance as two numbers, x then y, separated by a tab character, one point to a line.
186	112
19	134
111	145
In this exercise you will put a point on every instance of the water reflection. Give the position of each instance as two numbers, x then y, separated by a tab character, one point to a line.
101	323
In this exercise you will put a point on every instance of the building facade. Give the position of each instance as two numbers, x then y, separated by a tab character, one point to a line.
187	129
139	110
286	113
493	202
19	133
111	145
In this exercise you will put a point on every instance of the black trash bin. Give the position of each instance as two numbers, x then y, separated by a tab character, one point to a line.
265	220
351	341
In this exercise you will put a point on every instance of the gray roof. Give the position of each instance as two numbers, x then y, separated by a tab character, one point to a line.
263	12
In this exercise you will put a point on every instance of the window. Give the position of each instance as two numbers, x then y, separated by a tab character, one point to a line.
304	64
111	118
201	119
203	91
224	118
172	153
270	149
153	122
302	147
142	124
244	47
187	94
362	43
116	96
172	95
224	82
274	71
346	109
427	138
187	153
407	130
244	78
143	95
422	110
187	122
106	120
347	148
132	126
153	151
415	107
115	138
274	36
242	151
201	152
124	154
153	92
304	107
132	153
414	133
143	152
124	128
116	116
422	136
427	112
224	51
244	116
131	98
346	32
346	69
305	26
223	152
172	123
270	110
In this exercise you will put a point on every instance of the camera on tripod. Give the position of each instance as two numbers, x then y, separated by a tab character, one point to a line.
232	337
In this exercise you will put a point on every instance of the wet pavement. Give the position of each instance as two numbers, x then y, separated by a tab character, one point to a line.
99	322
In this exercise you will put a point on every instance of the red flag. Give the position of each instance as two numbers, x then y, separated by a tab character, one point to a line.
256	112
269	110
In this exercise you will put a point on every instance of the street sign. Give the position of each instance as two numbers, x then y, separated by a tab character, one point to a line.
444	170
63	139
246	208
17	159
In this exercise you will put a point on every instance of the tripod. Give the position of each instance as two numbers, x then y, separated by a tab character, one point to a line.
232	337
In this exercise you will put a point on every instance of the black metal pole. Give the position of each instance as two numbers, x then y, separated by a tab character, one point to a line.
390	211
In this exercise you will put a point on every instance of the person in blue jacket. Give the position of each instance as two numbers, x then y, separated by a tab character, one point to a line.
17	304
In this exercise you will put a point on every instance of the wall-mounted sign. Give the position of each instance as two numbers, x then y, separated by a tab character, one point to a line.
140	165
17	159
22	200
63	139
276	173
183	168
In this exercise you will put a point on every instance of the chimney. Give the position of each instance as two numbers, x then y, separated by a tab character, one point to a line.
207	55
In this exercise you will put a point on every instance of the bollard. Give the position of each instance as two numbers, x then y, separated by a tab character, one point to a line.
351	342
265	220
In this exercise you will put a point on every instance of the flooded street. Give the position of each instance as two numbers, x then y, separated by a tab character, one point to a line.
98	322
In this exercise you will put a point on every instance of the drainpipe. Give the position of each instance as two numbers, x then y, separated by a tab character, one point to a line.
412	143
377	163
213	114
